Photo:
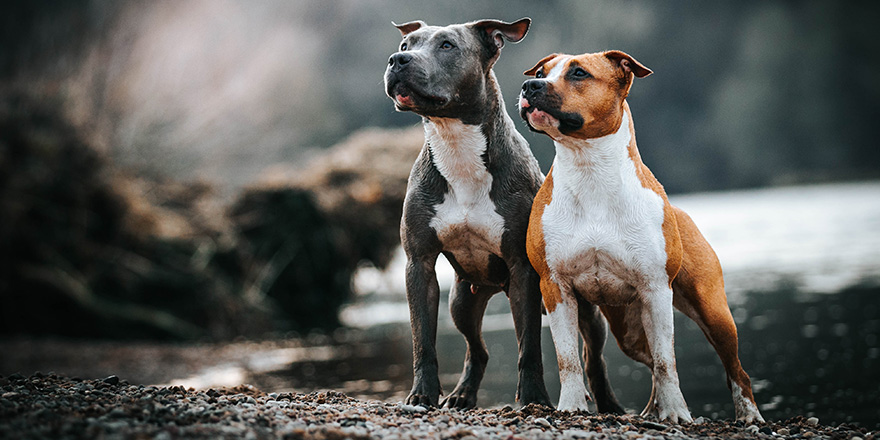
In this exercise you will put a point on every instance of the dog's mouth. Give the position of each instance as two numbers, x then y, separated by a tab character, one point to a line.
539	118
408	98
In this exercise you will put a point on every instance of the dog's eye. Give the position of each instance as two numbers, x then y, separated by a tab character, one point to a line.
539	74
446	45
403	46
580	73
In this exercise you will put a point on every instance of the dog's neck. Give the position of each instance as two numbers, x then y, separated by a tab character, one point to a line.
598	166
447	136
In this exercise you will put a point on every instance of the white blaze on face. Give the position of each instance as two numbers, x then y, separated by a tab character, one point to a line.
557	70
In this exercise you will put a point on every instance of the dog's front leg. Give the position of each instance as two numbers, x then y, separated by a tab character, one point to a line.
525	305
564	328
657	320
423	295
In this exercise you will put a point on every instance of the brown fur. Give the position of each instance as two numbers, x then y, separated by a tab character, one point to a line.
692	266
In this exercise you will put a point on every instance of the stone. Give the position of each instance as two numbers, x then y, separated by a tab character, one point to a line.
543	422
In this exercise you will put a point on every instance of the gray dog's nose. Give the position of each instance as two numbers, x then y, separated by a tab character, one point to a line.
533	85
399	59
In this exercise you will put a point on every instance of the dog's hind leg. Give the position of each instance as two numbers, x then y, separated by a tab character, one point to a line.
699	294
467	311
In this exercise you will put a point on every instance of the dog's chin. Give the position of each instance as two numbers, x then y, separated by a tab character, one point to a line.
539	120
409	99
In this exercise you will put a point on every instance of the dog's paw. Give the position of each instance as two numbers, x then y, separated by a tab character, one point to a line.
609	406
673	410
421	400
676	415
749	415
573	401
460	399
528	394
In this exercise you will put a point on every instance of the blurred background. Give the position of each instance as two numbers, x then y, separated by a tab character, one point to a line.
217	184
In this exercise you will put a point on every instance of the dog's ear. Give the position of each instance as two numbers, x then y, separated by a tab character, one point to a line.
534	70
628	63
498	31
409	27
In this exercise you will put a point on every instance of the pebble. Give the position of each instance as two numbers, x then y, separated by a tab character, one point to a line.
411	408
58	407
813	421
651	425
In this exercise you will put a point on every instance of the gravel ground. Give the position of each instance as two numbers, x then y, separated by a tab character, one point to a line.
51	406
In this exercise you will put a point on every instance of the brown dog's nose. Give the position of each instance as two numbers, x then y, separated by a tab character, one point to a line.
400	59
533	85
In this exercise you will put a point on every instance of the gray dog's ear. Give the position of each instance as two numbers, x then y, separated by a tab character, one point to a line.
499	30
409	27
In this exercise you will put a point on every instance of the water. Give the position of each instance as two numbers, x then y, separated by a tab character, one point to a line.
802	267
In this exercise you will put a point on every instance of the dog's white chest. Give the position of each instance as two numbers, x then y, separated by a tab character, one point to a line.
603	229
466	223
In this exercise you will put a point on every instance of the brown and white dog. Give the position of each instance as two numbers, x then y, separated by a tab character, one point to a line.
602	232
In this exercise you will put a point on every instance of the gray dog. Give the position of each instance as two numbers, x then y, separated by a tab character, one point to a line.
469	197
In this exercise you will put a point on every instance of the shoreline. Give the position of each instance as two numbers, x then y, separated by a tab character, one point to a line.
52	406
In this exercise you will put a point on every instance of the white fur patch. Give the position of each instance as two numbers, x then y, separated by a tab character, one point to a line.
466	222
745	409
599	204
564	329
557	70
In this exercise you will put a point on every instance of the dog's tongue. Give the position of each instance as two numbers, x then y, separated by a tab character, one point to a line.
405	100
523	103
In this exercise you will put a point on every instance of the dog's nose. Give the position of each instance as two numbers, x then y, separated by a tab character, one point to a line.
399	59
533	85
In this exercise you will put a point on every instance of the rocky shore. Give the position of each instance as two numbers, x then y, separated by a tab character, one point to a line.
51	406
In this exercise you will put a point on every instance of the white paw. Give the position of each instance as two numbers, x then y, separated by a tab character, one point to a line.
671	407
676	415
573	401
749	414
746	410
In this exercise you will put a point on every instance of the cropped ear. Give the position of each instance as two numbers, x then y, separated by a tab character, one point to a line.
409	27
628	63
534	70
499	30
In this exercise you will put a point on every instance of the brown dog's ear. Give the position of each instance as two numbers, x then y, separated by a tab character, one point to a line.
499	30
534	70
409	27
628	63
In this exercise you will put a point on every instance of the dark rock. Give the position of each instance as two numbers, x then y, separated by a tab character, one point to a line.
652	425
111	380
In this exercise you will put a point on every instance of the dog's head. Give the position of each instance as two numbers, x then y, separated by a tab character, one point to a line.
579	96
442	71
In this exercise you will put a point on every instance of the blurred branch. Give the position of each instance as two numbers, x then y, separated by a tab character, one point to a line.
76	288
